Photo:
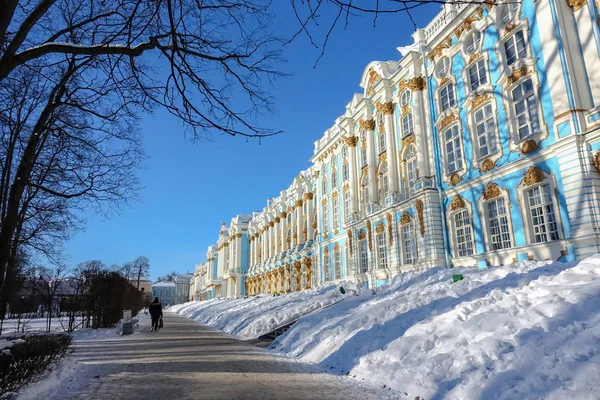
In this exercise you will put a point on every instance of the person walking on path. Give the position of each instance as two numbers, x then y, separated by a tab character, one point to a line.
156	314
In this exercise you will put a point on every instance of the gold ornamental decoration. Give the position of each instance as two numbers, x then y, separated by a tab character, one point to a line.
389	218
367	124
283	214
577	4
529	146
487	165
454	180
380	227
238	235
350	241
596	161
491	191
374	77
383	157
518	74
448	120
277	220
457	203
407	141
405	219
385	108
308	196
369	228
299	203
271	224
351	141
361	234
334	195
437	50
479	100
420	215
532	176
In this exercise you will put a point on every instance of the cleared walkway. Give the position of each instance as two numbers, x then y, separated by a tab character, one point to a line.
186	360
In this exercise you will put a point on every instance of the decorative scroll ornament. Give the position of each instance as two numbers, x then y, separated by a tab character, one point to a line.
316	174
532	176
238	235
350	241
351	141
454	180
444	81
336	231
346	187
283	214
299	203
596	161
480	99
361	234
487	165
448	120
367	124
518	74
388	217
271	224
369	228
577	4
380	227
405	219
308	196
383	157
374	77
385	108
277	220
437	50
491	191
420	215
457	203
407	141
529	146
334	195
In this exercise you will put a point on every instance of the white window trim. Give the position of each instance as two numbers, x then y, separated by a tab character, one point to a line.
327	256
446	172
448	73
378	236
482	208
337	266
335	216
405	186
360	255
411	226
463	43
486	88
524	206
477	159
438	98
453	239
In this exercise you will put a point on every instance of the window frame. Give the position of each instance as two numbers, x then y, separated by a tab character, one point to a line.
347	203
326	264
337	262
363	256
482	77
382	250
406	248
445	141
445	89
325	216
477	156
408	164
486	224
381	142
407	124
335	211
522	193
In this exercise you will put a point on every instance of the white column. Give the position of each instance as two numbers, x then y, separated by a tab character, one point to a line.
310	233
392	154
369	126
283	231
420	127
351	142
238	251
277	235
299	222
293	228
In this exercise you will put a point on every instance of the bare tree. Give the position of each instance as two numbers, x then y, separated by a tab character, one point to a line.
128	270
142	269
46	282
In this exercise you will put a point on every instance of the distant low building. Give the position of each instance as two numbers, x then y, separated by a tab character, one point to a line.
182	283
165	291
145	285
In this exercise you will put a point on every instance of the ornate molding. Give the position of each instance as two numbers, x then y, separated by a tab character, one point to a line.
420	215
361	234
385	108
457	203
383	157
308	196
283	214
447	121
487	165
407	141
271	224
389	218
517	74
380	227
351	141
336	231
454	180
405	219
577	4
596	161
350	241
479	100
491	191
345	187
324	201
374	77
367	124
415	84
532	176
238	235
299	203
529	146
437	50
334	195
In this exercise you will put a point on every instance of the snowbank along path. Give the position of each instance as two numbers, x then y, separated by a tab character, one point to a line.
529	330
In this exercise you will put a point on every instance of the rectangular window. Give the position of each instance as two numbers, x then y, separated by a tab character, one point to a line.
325	218
382	250
346	204
334	178
541	213
464	233
363	156
526	109
454	158
337	264
485	126
409	244
515	48
335	205
477	75
326	267
346	171
447	99
382	146
498	222
407	124
364	256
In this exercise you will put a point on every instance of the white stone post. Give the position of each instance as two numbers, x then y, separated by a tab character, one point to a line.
299	222
283	217
391	152
351	142
310	234
369	126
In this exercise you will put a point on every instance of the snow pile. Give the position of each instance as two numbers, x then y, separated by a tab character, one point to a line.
249	318
527	330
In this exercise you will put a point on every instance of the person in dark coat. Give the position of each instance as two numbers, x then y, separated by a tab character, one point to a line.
155	310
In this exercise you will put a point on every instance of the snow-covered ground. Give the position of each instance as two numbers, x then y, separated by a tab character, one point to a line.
530	330
35	325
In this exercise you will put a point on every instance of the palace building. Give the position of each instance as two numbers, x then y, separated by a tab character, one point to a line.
480	147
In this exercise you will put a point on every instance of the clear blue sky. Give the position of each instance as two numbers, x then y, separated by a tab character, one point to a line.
190	189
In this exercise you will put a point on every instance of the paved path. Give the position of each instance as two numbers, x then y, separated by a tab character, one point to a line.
186	360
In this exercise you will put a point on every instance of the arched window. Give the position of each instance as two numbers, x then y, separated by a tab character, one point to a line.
382	145
383	180
337	262
346	171
324	184
334	178
405	98
326	265
410	158
507	12
364	191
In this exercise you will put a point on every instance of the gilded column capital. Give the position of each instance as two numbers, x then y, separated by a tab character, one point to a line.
308	196
271	224
385	108
283	214
238	235
368	124
577	4
299	203
351	141
276	219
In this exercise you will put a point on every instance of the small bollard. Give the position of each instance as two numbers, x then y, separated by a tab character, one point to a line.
127	328
456	278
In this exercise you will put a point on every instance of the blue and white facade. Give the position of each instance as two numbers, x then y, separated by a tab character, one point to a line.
480	147
166	292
